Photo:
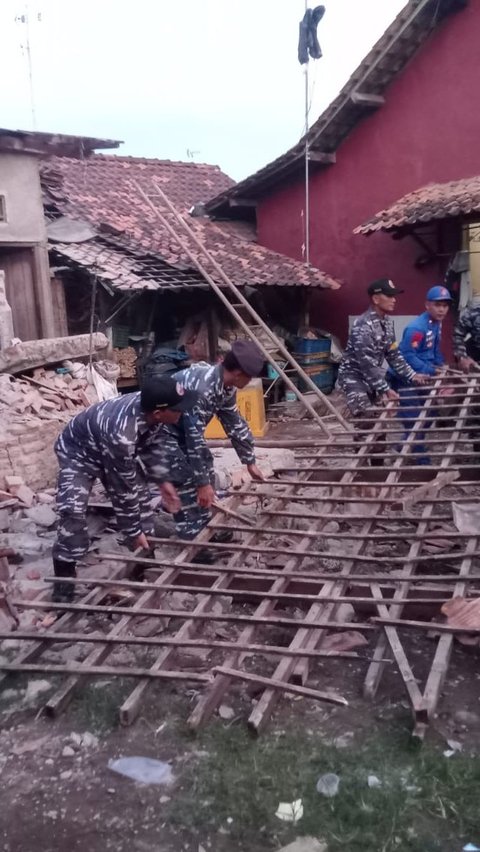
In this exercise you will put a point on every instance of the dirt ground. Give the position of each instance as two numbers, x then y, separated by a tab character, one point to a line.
58	793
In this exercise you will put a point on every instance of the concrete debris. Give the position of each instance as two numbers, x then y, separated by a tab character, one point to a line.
85	740
348	640
466	517
33	353
29	745
68	751
230	473
45	497
42	515
462	613
35	688
149	626
344	612
25	543
305	844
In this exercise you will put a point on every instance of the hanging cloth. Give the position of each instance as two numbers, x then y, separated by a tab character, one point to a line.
308	44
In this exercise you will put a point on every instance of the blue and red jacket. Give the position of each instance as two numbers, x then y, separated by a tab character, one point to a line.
420	344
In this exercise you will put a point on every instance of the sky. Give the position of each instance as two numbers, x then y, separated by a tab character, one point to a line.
214	81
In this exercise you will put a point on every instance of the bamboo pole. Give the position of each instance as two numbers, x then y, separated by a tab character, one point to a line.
242	594
318	554
271	573
142	612
177	644
272	683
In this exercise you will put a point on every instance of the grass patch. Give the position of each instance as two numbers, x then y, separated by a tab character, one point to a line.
427	803
96	708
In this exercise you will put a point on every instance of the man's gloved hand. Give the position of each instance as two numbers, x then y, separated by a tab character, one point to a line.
205	496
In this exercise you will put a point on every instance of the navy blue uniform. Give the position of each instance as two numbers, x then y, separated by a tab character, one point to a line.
110	441
215	399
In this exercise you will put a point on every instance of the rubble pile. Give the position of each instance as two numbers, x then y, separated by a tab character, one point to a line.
46	395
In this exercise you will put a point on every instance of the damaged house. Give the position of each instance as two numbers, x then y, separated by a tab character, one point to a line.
112	257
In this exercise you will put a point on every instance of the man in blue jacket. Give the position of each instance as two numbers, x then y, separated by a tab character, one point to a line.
421	348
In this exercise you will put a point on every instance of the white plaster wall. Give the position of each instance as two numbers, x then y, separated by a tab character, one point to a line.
20	184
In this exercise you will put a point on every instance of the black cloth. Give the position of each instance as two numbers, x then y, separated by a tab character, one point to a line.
308	44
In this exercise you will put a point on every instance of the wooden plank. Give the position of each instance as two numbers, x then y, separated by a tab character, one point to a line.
376	668
367	100
213	695
396	646
429	626
438	670
80	670
247	592
272	683
31	654
131	706
266	703
319	554
176	643
271	573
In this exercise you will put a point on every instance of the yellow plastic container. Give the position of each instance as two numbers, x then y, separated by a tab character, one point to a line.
251	406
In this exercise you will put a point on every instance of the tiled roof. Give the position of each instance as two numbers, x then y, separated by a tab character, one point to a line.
101	190
363	92
113	263
435	201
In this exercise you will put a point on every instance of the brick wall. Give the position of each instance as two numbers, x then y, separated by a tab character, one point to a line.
26	450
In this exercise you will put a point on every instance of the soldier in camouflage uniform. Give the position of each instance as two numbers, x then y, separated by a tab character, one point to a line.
466	346
216	386
120	442
362	376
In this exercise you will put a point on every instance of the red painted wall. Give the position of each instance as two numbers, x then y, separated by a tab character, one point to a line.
428	130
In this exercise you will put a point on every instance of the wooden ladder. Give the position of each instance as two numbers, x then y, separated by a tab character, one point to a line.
251	322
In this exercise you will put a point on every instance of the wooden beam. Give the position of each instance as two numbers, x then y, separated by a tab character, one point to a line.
322	157
272	683
242	202
367	100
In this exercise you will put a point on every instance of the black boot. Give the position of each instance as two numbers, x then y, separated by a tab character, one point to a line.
63	592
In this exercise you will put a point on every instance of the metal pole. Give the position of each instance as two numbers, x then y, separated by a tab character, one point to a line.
307	175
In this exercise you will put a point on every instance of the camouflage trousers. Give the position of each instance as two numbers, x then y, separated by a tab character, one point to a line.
75	480
361	400
191	518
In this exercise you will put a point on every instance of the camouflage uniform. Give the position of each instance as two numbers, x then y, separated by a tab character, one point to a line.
215	399
362	376
468	325
110	441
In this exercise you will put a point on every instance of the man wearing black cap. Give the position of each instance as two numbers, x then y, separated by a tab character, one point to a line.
362	376
120	442
217	389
